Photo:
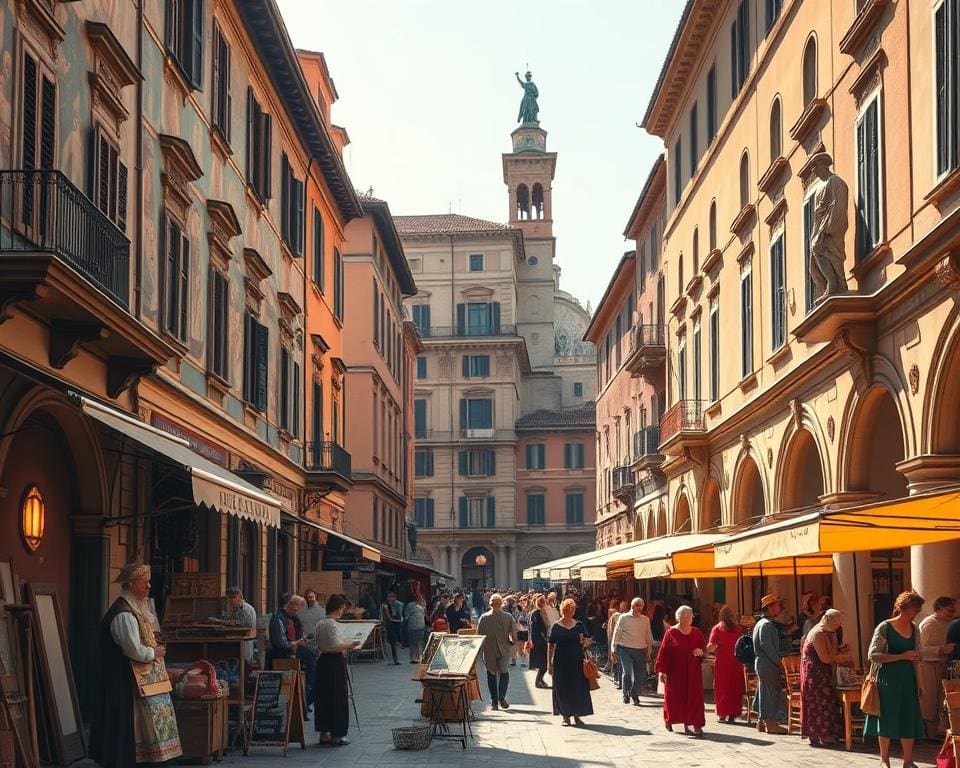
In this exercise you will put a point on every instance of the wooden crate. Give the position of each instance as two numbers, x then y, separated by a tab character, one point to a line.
203	728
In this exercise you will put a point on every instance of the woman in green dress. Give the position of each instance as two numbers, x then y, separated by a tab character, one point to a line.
895	649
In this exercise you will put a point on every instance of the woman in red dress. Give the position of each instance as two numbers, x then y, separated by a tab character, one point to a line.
727	671
679	664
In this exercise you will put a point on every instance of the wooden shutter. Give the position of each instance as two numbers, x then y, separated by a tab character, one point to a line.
253	127
491	512
491	461
184	292
429	462
262	352
463	413
285	198
461	319
299	210
734	61
495	317
430	511
567	455
265	153
466	366
284	388
295	405
464	462
195	75
48	123
464	512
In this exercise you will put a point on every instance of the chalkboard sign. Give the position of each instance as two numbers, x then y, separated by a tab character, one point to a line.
277	716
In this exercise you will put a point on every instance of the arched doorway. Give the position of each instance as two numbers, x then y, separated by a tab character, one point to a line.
748	503
662	521
681	516
474	575
802	472
711	515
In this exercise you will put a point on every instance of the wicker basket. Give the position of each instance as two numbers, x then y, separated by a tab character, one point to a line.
413	738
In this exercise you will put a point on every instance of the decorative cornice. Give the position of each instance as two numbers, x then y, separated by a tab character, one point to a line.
224	226
180	167
863	26
777	214
808	120
743	220
947	272
870	77
773	174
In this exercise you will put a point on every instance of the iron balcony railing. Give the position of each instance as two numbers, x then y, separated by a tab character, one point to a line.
622	478
330	457
648	336
685	416
47	213
646	442
467	331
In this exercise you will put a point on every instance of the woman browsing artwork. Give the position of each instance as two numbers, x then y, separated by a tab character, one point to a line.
679	663
571	691
332	689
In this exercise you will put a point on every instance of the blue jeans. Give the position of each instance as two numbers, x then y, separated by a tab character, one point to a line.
634	662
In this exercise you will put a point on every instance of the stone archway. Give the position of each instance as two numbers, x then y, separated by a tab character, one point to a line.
748	497
802	474
875	445
681	514
536	556
711	513
474	575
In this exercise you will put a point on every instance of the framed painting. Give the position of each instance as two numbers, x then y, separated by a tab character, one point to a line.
55	673
456	655
8	583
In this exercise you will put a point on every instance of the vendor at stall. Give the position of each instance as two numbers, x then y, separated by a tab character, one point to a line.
239	611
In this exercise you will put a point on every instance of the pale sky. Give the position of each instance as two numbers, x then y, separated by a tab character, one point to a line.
428	97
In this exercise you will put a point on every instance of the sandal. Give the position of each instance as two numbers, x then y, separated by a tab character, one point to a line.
565	723
577	721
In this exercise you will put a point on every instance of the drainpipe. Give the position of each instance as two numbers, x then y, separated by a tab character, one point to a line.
138	285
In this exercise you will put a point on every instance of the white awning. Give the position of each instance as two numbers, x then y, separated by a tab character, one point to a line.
367	551
213	485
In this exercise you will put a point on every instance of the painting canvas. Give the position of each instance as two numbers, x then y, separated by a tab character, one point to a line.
8	583
456	655
433	642
355	631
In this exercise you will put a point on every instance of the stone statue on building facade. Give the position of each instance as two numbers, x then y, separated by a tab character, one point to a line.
529	109
827	254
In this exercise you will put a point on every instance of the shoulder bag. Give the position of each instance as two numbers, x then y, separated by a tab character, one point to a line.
870	693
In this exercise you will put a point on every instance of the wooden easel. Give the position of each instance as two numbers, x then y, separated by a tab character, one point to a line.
264	711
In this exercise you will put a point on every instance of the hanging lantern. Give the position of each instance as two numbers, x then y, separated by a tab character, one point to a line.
32	518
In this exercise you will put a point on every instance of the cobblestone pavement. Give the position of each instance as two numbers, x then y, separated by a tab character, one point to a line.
617	735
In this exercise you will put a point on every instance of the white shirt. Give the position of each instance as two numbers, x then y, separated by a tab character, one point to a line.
632	632
553	615
125	631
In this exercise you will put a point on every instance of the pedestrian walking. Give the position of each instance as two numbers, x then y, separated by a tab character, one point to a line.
616	669
415	621
632	642
897	649
539	637
766	645
680	664
933	667
332	688
499	631
819	714
728	682
571	691
392	620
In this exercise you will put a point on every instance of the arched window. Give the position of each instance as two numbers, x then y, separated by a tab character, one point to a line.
537	199
744	179
523	202
713	225
776	130
696	251
810	71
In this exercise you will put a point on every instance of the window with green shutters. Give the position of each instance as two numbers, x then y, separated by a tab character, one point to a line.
778	294
476	413
478	319
746	324
715	350
423	512
574	505
946	22
869	190
420	418
421	367
256	344
421	318
183	38
536	456
477	463
477	512
536	509
423	462
476	366
291	207
573	456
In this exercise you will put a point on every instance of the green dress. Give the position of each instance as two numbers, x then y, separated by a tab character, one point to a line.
899	702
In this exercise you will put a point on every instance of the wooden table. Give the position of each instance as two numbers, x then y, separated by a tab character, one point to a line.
848	697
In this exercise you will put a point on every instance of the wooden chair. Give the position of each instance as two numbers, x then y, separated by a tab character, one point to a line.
750	684
951	689
791	673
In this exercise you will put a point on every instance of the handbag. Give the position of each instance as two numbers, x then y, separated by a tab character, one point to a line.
590	670
946	757
870	693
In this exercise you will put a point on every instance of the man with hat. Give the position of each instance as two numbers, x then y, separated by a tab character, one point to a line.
129	728
766	646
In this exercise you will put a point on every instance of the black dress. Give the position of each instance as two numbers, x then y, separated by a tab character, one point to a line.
571	692
538	641
112	739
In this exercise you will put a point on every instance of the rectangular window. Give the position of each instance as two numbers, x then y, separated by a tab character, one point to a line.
337	285
536	509
317	412
740	49
38	136
697	365
577	389
176	275
420	418
256	347
377	333
711	104
421	367
682	368
109	179
809	287
869	219
478	319
291	207
259	141
476	366
654	248
694	141
476	262
618	339
573	456
947	91
421	318
476	413
219	323
715	351
423	462
423	513
677	170
574	504
477	512
477	463
778	293
318	261
221	102
773	12
536	456
289	393
184	38
746	324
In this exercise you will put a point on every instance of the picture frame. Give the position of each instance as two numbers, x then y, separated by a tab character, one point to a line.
55	674
356	631
455	656
8	582
430	648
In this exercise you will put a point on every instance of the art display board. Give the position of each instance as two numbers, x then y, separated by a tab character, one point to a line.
277	713
455	656
55	674
430	647
356	631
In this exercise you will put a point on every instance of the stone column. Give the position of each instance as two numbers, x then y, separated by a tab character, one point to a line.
502	571
513	580
455	564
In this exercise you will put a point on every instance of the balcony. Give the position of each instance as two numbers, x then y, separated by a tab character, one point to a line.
467	332
683	426
62	254
623	484
646	449
648	350
477	435
329	467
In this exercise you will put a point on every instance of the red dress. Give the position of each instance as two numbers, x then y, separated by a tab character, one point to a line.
727	672
683	691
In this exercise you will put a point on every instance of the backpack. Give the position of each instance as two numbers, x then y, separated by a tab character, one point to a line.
744	651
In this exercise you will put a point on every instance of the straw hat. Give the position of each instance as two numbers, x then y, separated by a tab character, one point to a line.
769	599
132	572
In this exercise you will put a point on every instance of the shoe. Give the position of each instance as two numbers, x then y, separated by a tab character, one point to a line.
577	721
397	663
774	728
636	701
566	723
414	661
668	726
698	733
494	706
339	743
503	704
762	726
626	699
513	663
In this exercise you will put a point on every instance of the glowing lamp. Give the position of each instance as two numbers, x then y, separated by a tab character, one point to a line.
32	518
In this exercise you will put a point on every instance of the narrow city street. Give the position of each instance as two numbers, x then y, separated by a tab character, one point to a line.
617	735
